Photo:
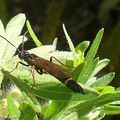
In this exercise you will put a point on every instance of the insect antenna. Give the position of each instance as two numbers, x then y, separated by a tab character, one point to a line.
23	40
10	43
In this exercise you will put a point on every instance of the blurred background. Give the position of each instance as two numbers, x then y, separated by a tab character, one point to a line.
83	19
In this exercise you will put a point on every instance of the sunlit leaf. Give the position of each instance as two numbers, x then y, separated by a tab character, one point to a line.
101	64
32	34
82	46
15	25
14	112
103	81
87	71
94	47
27	112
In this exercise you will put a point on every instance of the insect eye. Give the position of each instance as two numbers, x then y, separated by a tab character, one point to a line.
25	53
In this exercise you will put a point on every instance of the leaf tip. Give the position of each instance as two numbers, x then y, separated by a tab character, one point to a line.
102	30
22	15
113	73
64	29
27	21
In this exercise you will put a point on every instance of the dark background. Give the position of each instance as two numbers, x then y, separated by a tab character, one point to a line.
83	19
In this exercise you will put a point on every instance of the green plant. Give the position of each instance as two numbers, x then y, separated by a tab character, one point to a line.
98	101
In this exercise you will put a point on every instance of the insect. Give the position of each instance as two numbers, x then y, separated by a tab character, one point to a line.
39	64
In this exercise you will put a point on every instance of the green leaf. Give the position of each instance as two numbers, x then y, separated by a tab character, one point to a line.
88	90
3	108
72	48
68	115
111	109
43	51
105	90
32	34
15	25
1	78
85	107
77	71
14	112
108	89
2	30
10	50
91	81
101	64
54	108
87	71
27	112
95	114
82	46
62	56
34	104
55	42
103	81
94	47
116	102
13	30
4	81
2	42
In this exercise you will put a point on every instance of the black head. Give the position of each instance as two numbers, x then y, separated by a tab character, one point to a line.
22	54
26	56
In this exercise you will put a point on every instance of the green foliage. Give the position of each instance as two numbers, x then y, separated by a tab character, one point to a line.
12	109
37	42
27	112
99	98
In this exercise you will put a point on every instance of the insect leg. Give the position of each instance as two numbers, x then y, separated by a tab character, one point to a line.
40	71
51	58
33	74
18	64
24	64
32	70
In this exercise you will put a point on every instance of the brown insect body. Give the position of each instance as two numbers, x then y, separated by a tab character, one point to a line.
54	69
